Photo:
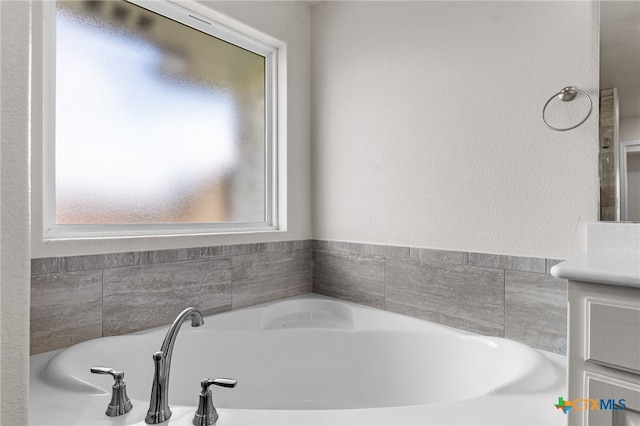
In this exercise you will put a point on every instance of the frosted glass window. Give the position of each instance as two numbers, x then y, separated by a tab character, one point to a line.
156	122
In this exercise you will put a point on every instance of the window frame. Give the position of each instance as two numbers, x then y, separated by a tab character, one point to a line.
198	22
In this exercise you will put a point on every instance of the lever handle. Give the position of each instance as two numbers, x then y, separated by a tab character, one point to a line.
222	382
117	375
206	414
120	402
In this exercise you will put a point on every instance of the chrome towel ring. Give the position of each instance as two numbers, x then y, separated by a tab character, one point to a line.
567	95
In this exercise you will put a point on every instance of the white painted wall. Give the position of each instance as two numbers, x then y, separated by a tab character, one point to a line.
630	129
633	187
14	212
285	24
426	125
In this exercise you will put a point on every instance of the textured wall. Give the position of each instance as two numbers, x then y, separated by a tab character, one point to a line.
630	129
14	212
427	128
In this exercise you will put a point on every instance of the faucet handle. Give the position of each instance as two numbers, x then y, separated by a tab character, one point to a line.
206	414
222	382
117	375
120	402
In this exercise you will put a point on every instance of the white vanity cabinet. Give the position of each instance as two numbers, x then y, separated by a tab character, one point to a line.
604	354
604	327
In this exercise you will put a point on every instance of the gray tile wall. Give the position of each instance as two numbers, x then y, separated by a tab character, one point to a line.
78	298
496	295
607	157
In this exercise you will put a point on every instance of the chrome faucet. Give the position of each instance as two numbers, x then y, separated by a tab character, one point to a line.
159	405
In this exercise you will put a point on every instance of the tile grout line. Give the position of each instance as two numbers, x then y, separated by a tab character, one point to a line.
504	304
384	285
232	280
102	301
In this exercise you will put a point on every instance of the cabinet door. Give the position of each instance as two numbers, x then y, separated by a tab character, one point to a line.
613	335
627	417
617	402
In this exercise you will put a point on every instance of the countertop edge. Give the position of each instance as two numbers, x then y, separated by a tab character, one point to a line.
612	268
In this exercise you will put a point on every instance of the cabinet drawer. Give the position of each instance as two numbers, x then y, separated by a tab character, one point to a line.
611	392
627	417
613	337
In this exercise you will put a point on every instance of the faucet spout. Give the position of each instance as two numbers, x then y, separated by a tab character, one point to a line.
159	404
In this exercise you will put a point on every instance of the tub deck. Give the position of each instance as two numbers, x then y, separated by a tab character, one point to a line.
312	360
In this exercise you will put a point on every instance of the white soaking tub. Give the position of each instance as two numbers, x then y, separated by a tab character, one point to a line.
310	360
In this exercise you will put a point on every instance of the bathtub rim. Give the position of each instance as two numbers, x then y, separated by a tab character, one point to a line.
304	416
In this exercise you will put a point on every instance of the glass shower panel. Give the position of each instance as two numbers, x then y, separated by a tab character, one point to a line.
156	122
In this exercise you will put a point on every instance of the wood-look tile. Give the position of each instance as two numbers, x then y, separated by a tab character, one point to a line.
536	310
241	249
148	289
141	297
518	263
484	324
264	277
386	251
197	253
435	255
66	308
119	260
287	246
81	263
471	298
352	277
47	265
166	256
319	245
345	247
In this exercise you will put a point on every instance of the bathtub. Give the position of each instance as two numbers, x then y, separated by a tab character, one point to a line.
310	360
